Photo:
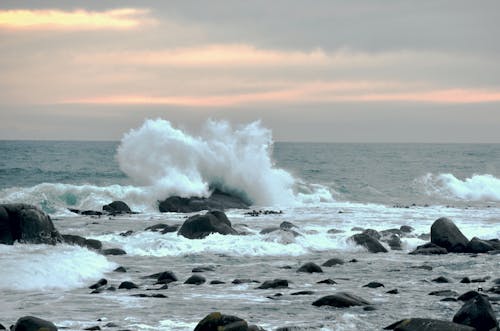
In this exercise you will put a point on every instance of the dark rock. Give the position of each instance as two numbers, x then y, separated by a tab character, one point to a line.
81	241
276	283
120	269
372	233
448	300
217	282
93	328
91	213
269	230
423	267
406	229
310	267
479	280
217	200
477	245
100	282
394	242
334	231
496	281
219	322
285	225
327	281
2	327
370	243
302	293
238	281
341	300
111	289
468	295
113	251
127	285
390	232
333	261
495	243
111	325
26	224
202	269
164	277
195	280
30	323
374	285
200	226
477	313
429	249
117	208
127	233
394	291
465	280
163	228
426	324
441	279
444	293
357	228
445	233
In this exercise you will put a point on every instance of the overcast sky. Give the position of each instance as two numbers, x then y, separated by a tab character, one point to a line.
339	71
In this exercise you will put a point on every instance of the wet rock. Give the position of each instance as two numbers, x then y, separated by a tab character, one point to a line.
374	285
269	230
444	293
93	328
341	300
195	280
394	291
394	242
218	322
448	300
477	245
143	295
217	282
111	325
238	281
465	280
468	295
218	200
372	233
127	233
333	261
327	281
202	269
163	228
302	293
100	282
81	241
334	231
113	251
120	269
127	285
389	232
310	267
406	229
117	208
2	327
423	267
427	324
164	277
276	283
478	313
200	226
285	225
441	279
370	243
445	233
429	249
31	323
26	224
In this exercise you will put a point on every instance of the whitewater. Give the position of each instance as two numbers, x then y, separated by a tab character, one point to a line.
328	191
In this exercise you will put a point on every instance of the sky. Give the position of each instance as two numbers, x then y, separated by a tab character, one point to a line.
324	71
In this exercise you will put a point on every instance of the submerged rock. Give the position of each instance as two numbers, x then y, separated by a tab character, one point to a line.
195	280
218	322
164	277
341	300
31	323
113	251
200	226
427	324
478	313
163	228
374	285
445	233
26	224
429	249
218	200
310	267
276	283
333	261
369	242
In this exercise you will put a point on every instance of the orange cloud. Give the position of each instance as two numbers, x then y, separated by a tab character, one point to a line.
125	18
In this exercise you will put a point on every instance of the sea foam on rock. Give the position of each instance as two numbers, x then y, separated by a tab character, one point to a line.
26	224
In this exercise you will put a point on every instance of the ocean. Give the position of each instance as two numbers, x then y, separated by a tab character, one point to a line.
326	190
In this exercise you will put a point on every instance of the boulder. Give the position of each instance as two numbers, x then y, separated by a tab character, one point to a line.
81	241
31	323
477	313
406	228
442	279
26	224
195	280
468	295
373	233
370	243
310	267
427	324
164	277
200	226
333	261
127	285
477	245
341	300
276	283
429	249
117	208
445	233
218	200
374	285
218	322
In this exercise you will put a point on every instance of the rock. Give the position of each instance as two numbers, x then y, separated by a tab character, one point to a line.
334	231
200	226
372	233
93	328
477	313
477	245
2	327
238	281
217	282
81	241
370	243
100	282
394	291
202	269
217	200
495	243
163	228
468	295
302	293
423	267
127	233
427	324
113	251
310	267
441	279
327	281
445	233
429	249
127	285
195	280
394	242
444	293
269	230
120	269
465	280
31	323
406	228
285	225
374	285
218	322
117	208
390	232
276	283
26	224
340	300
164	277
333	261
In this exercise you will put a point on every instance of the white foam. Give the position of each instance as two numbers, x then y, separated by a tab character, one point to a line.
476	188
44	267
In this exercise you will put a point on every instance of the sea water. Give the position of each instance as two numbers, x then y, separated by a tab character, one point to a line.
317	186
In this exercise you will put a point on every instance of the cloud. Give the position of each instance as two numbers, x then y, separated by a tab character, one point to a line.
116	19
